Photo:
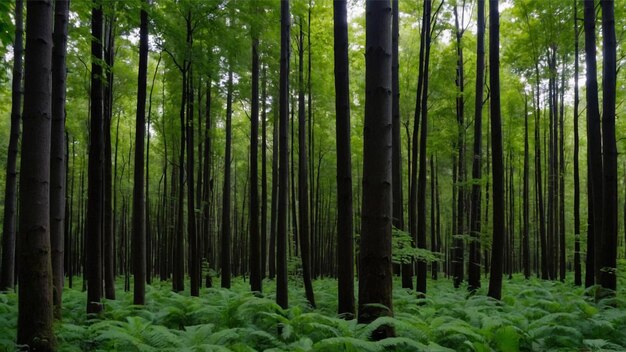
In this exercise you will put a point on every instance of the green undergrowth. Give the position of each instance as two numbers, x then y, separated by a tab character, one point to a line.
533	315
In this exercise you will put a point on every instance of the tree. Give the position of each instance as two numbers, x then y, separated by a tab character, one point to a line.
577	266
608	277
139	196
475	221
345	241
8	224
225	253
303	187
375	280
255	245
282	297
35	269
495	278
594	139
93	237
57	152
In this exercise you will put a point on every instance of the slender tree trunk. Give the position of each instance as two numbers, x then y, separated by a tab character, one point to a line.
577	266
495	279
255	243
525	226
459	250
207	181
108	236
594	138
303	187
226	233
421	181
475	221
345	241
139	205
192	238
375	279
10	196
264	174
608	277
35	304
57	153
281	233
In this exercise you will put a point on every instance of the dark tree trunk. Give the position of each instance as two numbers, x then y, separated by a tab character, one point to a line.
562	252
226	233
35	305
108	236
495	279
594	138
475	221
95	169
525	201
459	250
608	278
10	196
345	241
274	206
375	274
433	220
192	238
281	233
398	206
207	181
255	243
264	174
577	266
420	285
57	153
303	187
139	205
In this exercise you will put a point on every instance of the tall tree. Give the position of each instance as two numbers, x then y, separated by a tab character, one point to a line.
497	247
420	285
57	152
303	173
282	297
345	241
577	266
255	243
475	221
525	201
139	196
95	169
375	279
264	173
34	322
226	233
594	139
9	216
608	277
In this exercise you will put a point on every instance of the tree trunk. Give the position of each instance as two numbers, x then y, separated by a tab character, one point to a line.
375	279
577	266
207	181
10	196
608	277
475	221
525	201
35	305
255	243
274	206
345	241
281	234
139	205
594	138
303	187
495	279
420	285
264	175
226	233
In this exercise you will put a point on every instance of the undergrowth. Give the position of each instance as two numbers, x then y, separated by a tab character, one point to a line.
532	316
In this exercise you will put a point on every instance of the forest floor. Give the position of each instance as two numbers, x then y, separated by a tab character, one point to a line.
533	315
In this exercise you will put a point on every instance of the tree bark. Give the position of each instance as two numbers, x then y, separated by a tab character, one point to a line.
10	196
281	234
475	221
226	233
255	243
495	279
35	305
577	266
139	205
375	274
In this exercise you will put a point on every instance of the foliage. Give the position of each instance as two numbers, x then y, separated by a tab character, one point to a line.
533	316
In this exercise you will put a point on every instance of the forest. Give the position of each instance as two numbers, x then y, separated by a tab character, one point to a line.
312	175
